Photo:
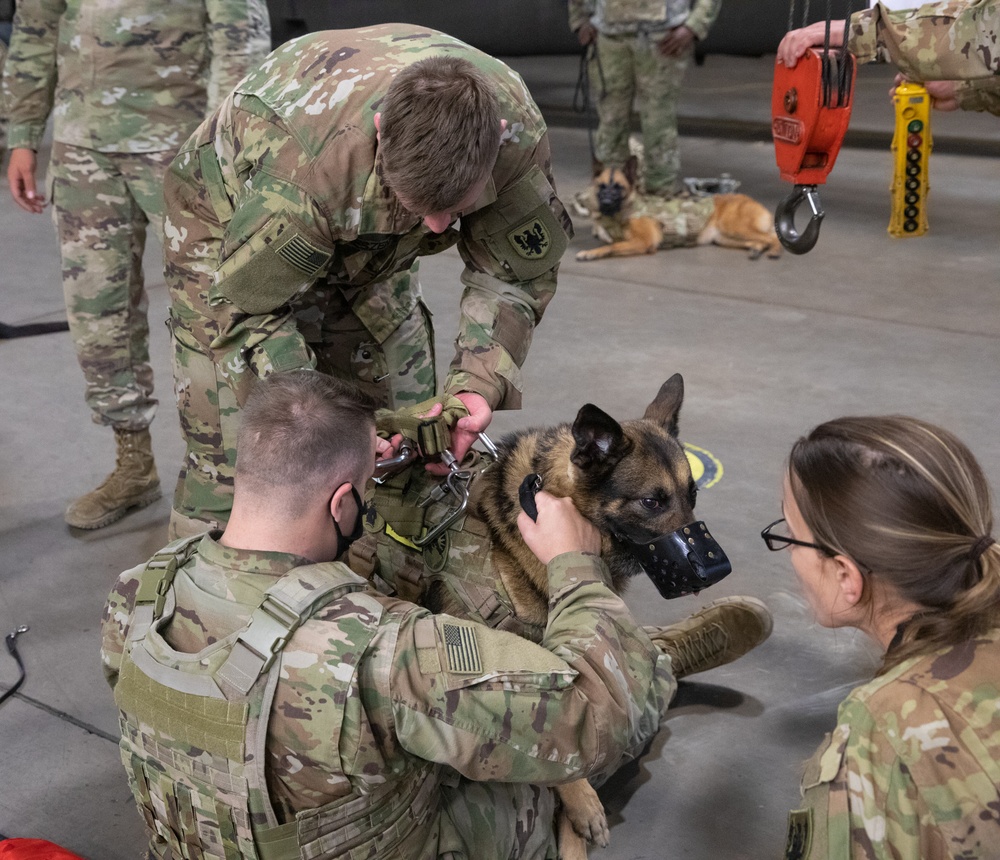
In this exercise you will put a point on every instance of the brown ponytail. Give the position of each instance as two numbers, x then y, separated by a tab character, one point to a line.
909	503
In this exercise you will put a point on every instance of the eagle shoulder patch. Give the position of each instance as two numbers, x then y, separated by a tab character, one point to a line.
530	240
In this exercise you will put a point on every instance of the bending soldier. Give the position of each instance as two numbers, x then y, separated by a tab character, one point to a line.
296	217
341	717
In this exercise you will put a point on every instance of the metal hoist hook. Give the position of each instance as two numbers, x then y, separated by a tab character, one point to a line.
784	219
810	111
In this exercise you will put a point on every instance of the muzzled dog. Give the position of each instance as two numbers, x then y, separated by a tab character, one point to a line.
631	479
632	224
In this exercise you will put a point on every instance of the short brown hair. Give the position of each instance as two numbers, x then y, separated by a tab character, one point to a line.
301	429
909	503
439	132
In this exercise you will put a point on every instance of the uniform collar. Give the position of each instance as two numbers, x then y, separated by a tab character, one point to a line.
271	564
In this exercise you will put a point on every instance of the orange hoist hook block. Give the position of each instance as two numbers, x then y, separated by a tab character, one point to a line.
810	110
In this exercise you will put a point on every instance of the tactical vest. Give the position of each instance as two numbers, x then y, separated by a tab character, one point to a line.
455	569
194	728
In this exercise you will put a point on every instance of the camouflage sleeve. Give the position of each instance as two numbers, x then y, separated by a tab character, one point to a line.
951	40
240	37
702	16
980	95
579	13
511	251
497	707
859	796
29	78
114	623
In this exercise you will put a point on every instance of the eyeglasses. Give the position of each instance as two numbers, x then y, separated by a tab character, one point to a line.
779	541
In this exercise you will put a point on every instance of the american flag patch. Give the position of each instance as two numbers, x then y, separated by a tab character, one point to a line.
462	649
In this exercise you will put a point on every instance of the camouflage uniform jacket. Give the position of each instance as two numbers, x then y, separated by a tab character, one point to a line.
291	164
948	41
913	767
371	689
119	76
628	17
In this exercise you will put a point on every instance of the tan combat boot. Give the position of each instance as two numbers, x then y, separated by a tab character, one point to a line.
719	633
133	484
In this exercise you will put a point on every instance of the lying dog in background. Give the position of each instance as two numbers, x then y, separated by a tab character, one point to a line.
632	224
631	479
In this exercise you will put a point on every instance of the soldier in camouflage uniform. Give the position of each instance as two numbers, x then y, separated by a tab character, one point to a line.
953	41
342	721
127	82
643	48
6	17
888	522
293	235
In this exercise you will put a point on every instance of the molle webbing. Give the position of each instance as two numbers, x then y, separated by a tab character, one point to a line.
194	747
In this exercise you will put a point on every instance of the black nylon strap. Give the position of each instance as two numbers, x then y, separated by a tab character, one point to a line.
11	640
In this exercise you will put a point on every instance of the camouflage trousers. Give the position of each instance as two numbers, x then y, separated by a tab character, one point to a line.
3	112
630	70
395	368
501	820
102	205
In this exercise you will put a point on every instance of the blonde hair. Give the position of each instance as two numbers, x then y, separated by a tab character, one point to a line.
908	502
439	133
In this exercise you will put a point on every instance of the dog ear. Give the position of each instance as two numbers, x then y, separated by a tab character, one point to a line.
631	171
600	441
666	408
596	167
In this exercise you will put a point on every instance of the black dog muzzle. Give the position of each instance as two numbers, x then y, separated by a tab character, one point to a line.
610	198
682	562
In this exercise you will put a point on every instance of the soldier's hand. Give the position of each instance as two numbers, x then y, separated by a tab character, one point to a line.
21	178
586	34
559	528
796	42
944	94
467	430
677	41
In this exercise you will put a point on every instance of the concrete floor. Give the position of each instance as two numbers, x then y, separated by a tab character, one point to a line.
863	324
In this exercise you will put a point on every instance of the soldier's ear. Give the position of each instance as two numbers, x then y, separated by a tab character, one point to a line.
378	126
503	128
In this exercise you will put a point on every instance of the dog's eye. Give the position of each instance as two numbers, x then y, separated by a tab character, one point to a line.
650	504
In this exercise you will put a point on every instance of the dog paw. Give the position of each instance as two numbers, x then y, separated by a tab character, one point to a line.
586	255
586	814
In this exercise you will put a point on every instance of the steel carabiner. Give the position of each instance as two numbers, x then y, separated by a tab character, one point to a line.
784	219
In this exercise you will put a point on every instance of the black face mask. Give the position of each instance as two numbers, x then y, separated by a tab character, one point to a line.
344	541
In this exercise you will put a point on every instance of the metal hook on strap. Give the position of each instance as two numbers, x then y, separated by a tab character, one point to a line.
784	219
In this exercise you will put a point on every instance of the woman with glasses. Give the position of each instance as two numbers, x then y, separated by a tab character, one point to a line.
888	525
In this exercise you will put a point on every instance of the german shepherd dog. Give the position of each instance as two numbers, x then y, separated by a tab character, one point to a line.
632	225
631	479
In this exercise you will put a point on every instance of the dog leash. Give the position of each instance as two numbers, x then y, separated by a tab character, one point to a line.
11	640
581	95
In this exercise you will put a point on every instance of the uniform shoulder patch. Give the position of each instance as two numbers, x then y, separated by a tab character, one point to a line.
462	649
303	255
531	239
798	843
